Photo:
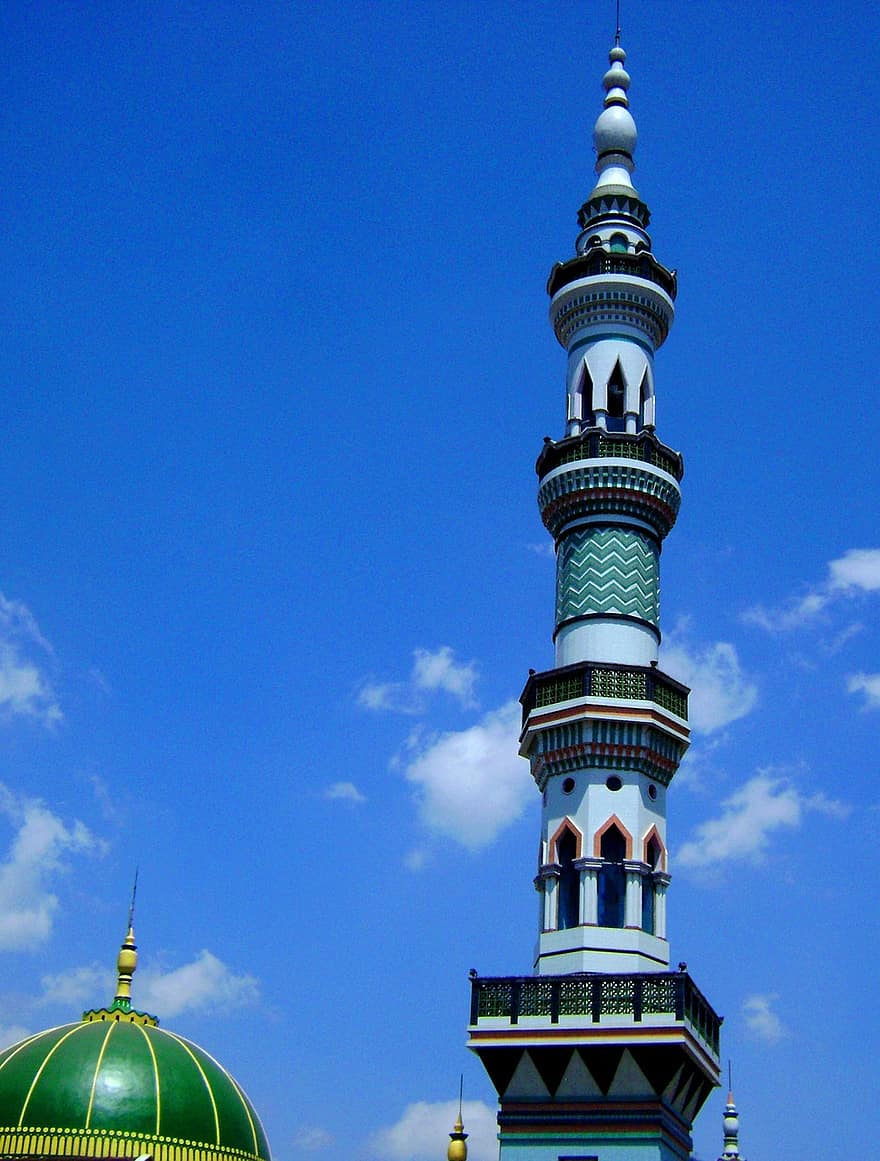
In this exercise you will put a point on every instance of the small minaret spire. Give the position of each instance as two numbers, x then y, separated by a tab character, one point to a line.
730	1152
126	961
457	1150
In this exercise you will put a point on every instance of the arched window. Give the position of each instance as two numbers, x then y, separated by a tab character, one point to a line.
654	854
644	396
569	880
612	882
618	243
616	392
585	390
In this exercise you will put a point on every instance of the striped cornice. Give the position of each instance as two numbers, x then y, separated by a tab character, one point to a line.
609	487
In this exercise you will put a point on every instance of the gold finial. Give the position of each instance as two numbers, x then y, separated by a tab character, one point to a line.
126	961
126	965
457	1150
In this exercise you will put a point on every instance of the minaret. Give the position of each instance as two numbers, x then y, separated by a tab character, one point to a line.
604	1046
731	1152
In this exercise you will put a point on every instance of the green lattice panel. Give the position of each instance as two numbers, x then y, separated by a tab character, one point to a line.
608	570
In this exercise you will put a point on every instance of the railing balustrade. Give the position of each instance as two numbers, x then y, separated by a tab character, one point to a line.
595	996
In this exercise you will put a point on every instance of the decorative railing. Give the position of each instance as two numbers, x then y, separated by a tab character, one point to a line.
596	444
599	261
594	996
595	679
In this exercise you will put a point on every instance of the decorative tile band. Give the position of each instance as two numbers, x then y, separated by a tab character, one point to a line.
608	570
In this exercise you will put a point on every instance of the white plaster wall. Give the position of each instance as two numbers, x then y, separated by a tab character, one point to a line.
612	639
591	804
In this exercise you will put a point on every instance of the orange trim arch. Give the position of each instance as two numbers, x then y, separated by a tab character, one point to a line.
565	825
653	833
597	837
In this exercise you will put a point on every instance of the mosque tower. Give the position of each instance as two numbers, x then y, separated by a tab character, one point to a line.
604	1052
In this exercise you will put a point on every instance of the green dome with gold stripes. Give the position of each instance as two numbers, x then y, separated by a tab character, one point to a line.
117	1085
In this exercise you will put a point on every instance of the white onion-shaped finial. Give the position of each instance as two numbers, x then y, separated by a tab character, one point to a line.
615	130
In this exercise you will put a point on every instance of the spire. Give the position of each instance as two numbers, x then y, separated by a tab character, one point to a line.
457	1150
126	966
126	961
731	1132
614	134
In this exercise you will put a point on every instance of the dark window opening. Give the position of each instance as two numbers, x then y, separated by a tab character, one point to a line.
654	854
616	391
569	881
612	881
585	391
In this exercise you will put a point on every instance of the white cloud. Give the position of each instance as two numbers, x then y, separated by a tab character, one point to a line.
545	548
721	692
344	792
440	670
24	688
858	568
395	696
311	1139
35	857
741	833
420	1133
205	984
81	987
869	685
432	671
12	1034
761	1020
857	571
416	859
471	783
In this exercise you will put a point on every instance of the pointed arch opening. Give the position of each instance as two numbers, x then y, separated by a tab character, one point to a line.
616	394
613	844
585	391
654	856
646	404
565	847
653	850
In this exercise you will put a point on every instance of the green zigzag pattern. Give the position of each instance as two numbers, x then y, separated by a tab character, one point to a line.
608	570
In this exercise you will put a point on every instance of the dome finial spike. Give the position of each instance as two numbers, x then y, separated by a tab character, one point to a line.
457	1150
126	961
134	889
617	27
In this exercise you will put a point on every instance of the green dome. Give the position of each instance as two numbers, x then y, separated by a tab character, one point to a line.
117	1085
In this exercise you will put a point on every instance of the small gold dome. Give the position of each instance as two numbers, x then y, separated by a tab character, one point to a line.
457	1150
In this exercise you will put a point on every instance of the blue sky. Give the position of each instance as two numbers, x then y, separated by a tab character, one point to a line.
276	367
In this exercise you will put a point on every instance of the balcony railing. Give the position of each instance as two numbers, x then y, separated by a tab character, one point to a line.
596	443
593	679
600	261
595	996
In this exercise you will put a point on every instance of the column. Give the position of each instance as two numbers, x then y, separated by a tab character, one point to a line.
632	913
661	882
548	877
589	898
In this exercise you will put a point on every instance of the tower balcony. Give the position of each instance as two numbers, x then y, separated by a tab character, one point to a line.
593	714
599	262
597	444
590	1008
606	682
